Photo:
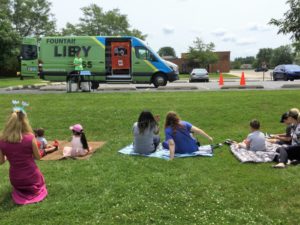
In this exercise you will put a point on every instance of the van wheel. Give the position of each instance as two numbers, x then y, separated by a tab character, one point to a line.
159	80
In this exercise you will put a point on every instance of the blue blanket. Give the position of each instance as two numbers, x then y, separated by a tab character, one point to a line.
162	153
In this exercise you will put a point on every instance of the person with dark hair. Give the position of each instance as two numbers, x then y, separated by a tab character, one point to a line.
255	141
285	138
178	135
291	152
18	145
44	148
146	133
79	143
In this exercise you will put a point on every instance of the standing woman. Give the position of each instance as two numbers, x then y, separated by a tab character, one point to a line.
146	133
18	145
77	62
292	151
178	135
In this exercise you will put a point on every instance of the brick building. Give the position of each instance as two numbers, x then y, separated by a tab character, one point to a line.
223	64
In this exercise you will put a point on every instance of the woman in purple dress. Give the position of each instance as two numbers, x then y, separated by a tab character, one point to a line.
18	145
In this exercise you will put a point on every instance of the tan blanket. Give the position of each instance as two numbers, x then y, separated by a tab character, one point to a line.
57	155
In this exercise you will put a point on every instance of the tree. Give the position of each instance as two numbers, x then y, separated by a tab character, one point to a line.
97	22
167	51
239	61
291	21
32	17
201	54
9	39
282	55
264	56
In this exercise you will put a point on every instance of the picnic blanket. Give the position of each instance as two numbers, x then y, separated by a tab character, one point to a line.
58	155
245	155
162	153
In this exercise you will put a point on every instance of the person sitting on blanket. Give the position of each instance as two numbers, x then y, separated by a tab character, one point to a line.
291	152
44	148
178	135
79	143
146	133
255	141
285	138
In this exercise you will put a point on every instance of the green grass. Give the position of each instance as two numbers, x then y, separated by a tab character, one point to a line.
116	189
211	76
15	81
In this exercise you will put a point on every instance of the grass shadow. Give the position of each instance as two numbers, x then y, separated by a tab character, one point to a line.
6	202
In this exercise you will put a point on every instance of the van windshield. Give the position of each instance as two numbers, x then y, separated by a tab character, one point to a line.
29	52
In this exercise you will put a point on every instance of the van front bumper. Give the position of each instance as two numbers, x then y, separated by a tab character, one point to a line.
172	76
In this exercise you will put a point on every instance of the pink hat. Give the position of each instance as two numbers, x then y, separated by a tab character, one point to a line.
76	127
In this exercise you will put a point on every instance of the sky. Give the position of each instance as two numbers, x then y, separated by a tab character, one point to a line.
238	26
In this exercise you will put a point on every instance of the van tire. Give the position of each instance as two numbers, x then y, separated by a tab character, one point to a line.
159	80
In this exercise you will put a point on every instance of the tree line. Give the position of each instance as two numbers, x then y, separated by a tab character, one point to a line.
22	18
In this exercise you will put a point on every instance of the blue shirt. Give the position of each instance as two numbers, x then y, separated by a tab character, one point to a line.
184	143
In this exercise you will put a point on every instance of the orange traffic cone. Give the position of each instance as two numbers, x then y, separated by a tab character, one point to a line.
243	81
221	81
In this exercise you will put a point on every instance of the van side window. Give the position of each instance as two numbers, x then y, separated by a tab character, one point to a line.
144	54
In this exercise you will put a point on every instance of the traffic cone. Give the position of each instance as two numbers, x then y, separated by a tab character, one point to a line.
221	81
243	81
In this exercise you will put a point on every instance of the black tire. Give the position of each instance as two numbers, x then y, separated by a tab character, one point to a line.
274	77
291	79
159	80
285	78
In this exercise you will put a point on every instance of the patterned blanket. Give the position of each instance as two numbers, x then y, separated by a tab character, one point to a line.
162	153
259	156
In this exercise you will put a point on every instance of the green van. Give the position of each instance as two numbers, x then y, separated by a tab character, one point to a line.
108	59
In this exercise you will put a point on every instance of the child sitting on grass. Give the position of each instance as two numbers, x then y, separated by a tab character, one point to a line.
42	143
79	143
255	141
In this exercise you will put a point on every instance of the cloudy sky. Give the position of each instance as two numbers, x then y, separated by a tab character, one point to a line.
238	26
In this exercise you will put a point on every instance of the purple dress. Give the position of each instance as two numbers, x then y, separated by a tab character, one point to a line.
27	180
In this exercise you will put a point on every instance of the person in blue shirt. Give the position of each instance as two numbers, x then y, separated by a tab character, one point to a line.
179	137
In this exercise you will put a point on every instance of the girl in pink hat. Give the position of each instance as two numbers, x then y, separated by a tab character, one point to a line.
79	143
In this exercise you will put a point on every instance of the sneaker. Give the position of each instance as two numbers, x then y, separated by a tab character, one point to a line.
279	166
228	142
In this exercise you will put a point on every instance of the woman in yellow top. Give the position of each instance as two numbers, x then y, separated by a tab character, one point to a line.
78	63
78	67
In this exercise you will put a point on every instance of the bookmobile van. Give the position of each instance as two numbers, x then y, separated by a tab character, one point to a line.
109	59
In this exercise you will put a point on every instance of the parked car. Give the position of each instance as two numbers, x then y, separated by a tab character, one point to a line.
261	69
286	72
199	74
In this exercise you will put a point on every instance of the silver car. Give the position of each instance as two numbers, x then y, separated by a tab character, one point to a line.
199	74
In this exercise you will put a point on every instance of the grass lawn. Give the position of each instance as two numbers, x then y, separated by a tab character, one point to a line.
116	189
211	76
15	81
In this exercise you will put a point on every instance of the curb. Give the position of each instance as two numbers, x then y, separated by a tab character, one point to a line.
242	87
177	88
290	86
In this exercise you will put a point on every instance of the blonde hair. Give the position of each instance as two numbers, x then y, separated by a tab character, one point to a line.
295	111
17	124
